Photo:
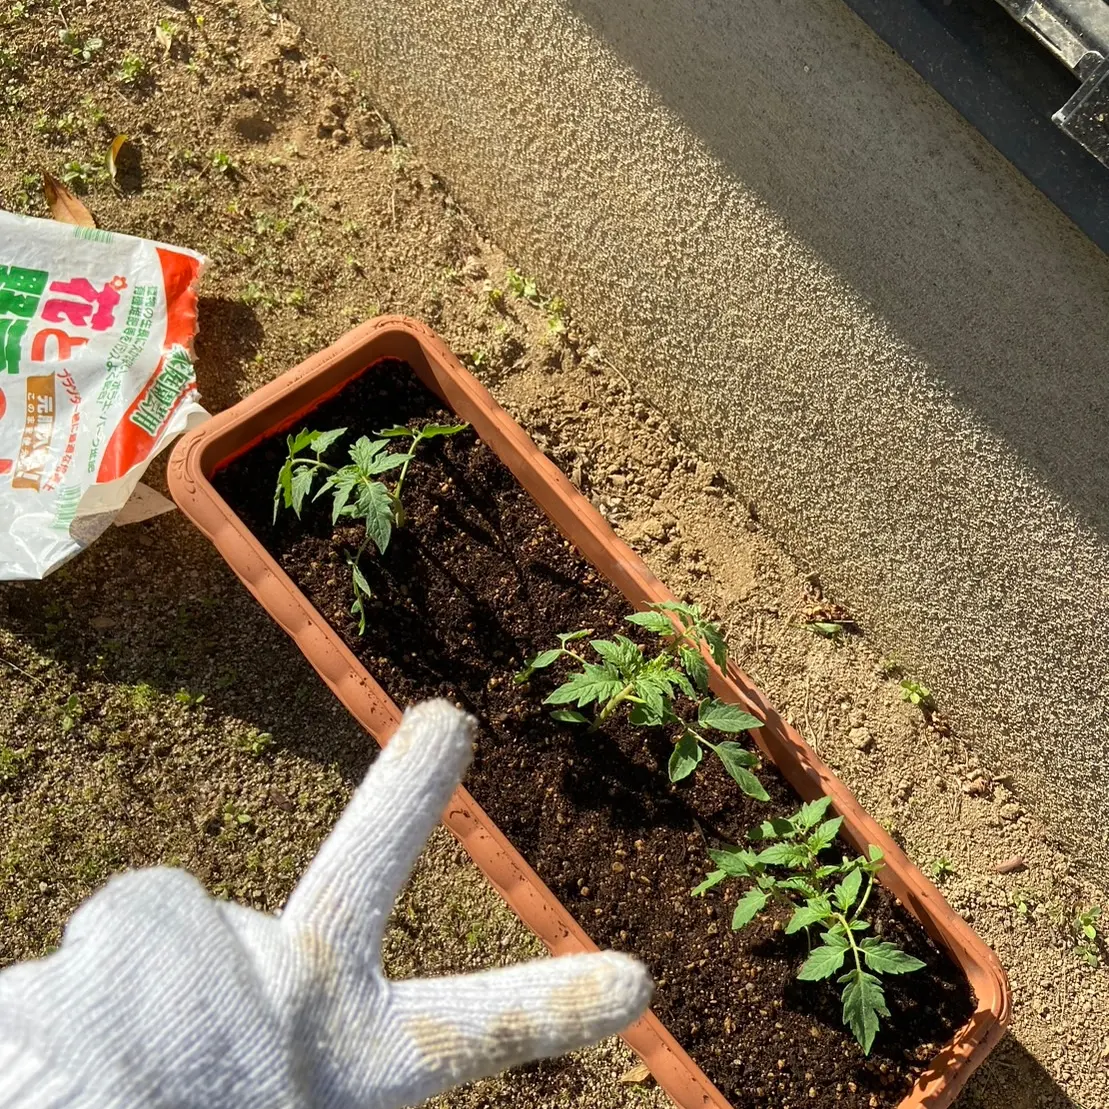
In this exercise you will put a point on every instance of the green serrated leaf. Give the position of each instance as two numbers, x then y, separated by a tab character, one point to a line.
284	491
621	653
324	439
364	451
695	666
340	485
653	621
374	505
783	854
685	758
303	438
807	916
360	584
800	885
825	835
750	905
717	647
569	637
643	717
592	684
396	432
569	716
433	431
863	1003
846	892
736	862
654	698
714	879
544	659
381	463
736	760
812	813
301	484
773	829
688	614
724	717
822	963
887	958
836	937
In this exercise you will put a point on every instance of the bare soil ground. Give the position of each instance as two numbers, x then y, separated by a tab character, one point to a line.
249	146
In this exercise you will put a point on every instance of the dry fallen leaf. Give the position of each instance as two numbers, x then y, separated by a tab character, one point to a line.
63	205
639	1073
113	151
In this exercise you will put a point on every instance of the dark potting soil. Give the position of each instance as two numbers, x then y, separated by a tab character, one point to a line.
476	582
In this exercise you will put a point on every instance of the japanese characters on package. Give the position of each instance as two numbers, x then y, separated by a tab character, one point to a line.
96	377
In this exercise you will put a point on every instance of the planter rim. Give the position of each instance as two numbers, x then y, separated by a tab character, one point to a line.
287	399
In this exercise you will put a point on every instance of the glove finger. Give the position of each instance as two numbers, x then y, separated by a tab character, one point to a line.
348	891
470	1026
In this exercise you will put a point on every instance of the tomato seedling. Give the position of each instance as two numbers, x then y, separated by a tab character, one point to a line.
354	488
830	897
648	686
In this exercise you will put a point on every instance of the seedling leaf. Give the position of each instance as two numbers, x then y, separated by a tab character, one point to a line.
846	892
433	431
863	1003
714	879
816	911
569	716
375	506
685	757
825	835
695	666
725	717
653	621
595	683
736	760
750	905
888	958
736	862
773	829
822	963
812	813
300	486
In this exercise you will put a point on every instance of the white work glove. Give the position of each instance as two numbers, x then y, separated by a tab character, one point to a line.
161	997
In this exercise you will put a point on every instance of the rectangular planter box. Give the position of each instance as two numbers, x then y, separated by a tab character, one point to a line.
286	401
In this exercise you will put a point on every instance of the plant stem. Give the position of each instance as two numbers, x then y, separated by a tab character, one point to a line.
416	437
866	897
615	700
842	918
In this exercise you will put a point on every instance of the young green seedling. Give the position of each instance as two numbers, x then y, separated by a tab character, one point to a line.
354	488
1085	922
821	895
648	686
917	694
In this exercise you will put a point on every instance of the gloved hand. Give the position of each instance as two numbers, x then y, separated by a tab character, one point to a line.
162	998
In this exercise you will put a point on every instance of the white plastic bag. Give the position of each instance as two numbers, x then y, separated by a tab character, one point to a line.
96	377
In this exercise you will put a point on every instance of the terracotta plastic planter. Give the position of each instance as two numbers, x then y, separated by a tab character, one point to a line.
287	401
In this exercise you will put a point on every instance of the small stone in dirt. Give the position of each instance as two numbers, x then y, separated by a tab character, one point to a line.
860	738
1011	866
281	800
1011	810
652	528
638	1074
